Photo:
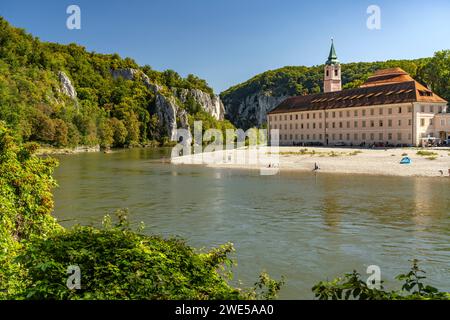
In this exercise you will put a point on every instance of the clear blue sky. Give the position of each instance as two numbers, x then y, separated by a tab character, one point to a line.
229	41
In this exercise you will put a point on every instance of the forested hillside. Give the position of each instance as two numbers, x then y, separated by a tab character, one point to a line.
247	103
36	101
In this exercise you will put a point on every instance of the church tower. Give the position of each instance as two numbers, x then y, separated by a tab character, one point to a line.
332	80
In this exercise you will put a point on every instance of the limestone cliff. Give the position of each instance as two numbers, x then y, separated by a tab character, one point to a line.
66	86
252	110
211	104
169	105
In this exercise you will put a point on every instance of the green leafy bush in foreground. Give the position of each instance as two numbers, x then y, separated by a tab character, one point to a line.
352	287
118	263
115	261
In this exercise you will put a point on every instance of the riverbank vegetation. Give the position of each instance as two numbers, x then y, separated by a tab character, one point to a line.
108	111
351	286
116	262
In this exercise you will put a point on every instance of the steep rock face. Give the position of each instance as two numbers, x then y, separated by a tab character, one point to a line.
66	86
252	111
127	74
168	113
134	74
212	105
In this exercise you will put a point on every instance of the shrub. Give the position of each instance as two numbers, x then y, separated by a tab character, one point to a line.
352	287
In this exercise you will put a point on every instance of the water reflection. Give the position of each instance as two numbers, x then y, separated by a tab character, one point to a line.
304	226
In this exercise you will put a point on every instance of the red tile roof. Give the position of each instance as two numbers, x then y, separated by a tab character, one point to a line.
387	86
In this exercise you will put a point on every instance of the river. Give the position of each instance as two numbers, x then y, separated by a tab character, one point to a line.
303	226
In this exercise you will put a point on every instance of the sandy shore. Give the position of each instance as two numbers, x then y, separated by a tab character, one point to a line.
330	160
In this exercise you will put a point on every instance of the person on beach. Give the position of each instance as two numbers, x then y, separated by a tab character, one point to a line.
316	167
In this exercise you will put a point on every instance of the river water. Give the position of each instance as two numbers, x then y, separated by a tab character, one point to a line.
303	226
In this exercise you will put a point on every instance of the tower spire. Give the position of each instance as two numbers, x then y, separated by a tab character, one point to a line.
332	80
332	57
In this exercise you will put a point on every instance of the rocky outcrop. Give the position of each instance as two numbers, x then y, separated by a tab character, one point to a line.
127	74
211	104
168	113
134	74
167	109
252	110
66	86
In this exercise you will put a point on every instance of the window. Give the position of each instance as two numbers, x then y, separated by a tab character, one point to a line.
372	136
307	116
399	136
356	124
432	109
364	113
314	136
314	125
372	123
340	114
431	122
334	114
348	136
320	115
355	136
328	73
348	124
290	126
296	126
409	109
290	136
372	112
422	108
334	125
301	116
296	136
380	136
400	110
381	111
389	123
340	124
307	126
290	117
285	127
302	125
320	136
314	115
348	113
333	136
381	123
399	123
390	111
389	136
302	136
364	136
285	117
320	125
307	137
296	117
422	122
336	72
409	122
364	124
285	137
356	113
340	136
